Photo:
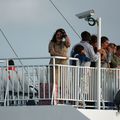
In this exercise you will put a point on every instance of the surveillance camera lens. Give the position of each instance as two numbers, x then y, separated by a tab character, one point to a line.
91	21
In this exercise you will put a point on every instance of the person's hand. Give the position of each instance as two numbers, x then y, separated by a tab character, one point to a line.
103	54
66	57
101	51
64	35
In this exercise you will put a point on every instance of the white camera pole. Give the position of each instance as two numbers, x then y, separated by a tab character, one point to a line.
99	64
91	21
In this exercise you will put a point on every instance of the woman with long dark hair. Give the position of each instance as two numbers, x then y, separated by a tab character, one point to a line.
58	46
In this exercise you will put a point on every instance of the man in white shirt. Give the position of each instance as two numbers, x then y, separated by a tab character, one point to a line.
89	51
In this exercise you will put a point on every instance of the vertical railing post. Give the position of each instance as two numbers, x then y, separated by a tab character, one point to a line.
7	87
5	61
54	89
78	82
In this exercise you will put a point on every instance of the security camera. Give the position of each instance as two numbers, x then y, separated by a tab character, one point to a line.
86	14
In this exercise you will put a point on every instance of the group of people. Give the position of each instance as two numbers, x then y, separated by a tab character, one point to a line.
86	50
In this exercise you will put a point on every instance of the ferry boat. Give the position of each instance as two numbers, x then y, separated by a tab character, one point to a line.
27	93
81	93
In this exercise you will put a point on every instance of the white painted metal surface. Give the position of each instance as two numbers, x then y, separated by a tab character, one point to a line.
77	87
62	112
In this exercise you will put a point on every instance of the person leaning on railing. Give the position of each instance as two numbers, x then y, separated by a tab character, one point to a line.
89	51
80	54
115	61
94	42
111	53
104	52
58	46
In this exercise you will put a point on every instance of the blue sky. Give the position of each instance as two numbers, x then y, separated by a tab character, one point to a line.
29	24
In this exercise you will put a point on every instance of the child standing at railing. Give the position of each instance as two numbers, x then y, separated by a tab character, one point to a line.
80	54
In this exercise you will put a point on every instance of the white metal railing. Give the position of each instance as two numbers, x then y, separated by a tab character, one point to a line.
75	85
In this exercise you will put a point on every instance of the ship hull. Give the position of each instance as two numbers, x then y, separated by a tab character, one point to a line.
58	112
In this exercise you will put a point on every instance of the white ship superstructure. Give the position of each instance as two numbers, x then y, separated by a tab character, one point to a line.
26	91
